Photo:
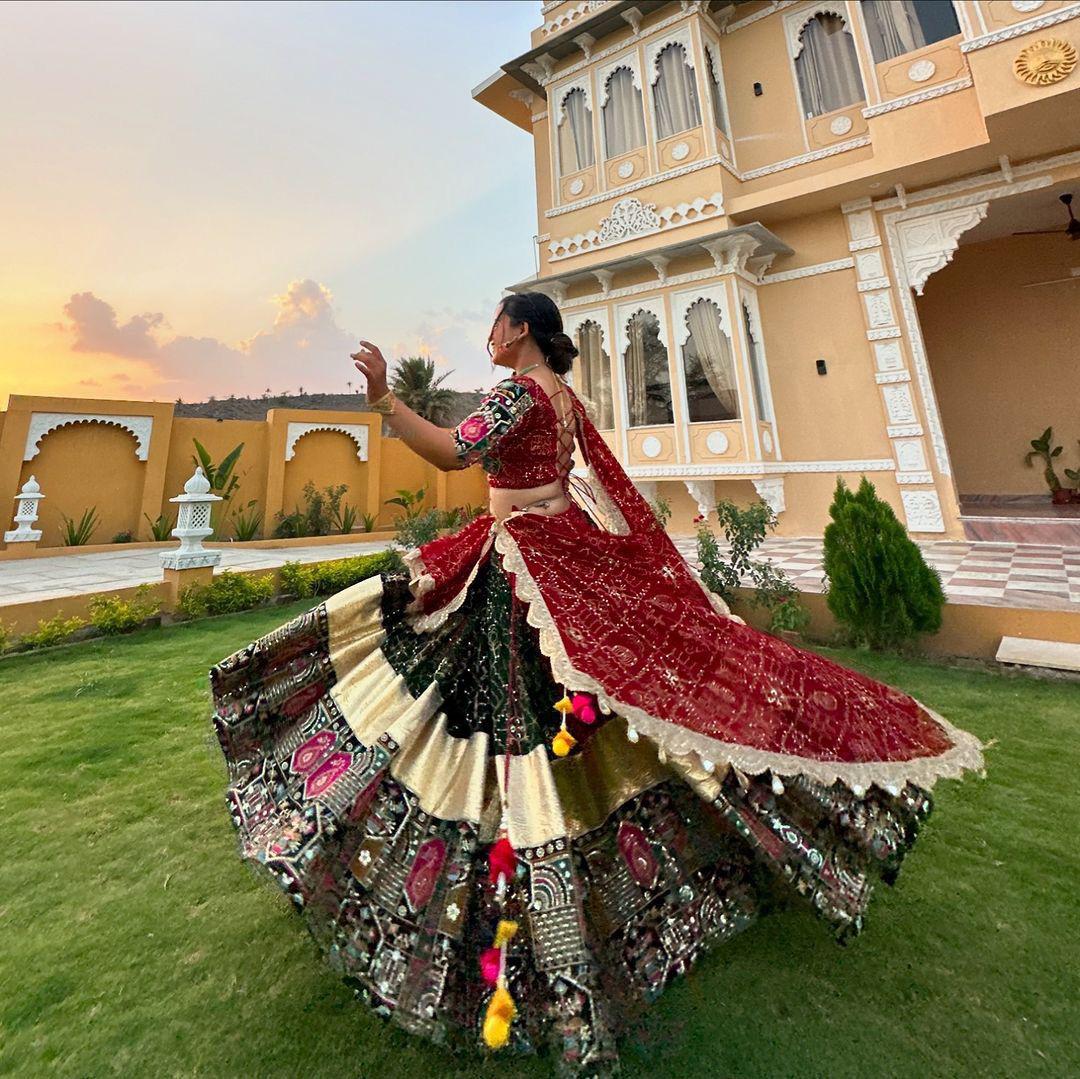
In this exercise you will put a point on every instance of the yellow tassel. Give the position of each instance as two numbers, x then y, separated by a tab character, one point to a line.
501	1011
502	1004
563	742
496	1032
505	932
565	705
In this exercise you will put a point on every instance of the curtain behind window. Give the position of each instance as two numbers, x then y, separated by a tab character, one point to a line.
719	114
648	384
594	374
575	134
675	93
895	27
708	366
624	124
827	67
757	370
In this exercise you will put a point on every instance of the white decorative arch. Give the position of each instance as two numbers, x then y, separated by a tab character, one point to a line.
564	91
653	306
575	320
683	301
44	423
655	48
358	432
798	22
605	71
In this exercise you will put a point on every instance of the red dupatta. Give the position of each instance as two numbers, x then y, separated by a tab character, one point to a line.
621	614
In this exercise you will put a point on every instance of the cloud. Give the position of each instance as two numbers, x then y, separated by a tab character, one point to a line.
93	322
304	345
455	340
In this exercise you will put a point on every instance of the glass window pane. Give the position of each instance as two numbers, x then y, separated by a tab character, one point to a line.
648	384
592	377
708	368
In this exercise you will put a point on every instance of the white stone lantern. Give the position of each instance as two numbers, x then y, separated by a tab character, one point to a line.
193	526
26	513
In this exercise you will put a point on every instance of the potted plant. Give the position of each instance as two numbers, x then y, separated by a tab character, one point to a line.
1073	476
1043	448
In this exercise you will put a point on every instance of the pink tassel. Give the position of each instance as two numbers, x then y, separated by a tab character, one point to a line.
489	965
501	859
584	707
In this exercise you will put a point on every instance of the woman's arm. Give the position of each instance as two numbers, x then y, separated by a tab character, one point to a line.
435	444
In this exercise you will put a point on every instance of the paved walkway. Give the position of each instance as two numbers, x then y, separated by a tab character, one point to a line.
23	580
989	574
986	574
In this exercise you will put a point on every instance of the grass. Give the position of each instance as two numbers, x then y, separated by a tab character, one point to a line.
136	943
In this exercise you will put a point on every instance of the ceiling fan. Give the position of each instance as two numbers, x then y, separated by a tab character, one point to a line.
1072	229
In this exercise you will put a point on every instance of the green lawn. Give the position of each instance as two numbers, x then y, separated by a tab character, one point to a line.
135	942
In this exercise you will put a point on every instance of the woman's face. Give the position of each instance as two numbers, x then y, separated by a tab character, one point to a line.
502	331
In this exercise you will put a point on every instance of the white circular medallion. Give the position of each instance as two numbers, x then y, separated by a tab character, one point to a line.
840	125
680	151
625	170
1024	6
577	186
717	442
922	70
651	446
766	441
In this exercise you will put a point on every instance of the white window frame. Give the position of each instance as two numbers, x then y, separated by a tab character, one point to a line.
682	36
556	111
571	324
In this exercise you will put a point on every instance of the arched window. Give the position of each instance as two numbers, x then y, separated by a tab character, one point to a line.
575	133
827	66
593	375
675	95
648	384
709	371
757	369
718	110
624	124
895	27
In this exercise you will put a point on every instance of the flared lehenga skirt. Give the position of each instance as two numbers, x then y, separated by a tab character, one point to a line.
365	762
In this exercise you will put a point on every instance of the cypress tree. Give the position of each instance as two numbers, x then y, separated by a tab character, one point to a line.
879	588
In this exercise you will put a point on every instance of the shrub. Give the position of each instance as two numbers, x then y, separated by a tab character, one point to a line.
7	636
879	588
321	510
368	520
326	578
161	528
52	631
789	615
78	535
226	593
345	519
247	521
661	508
744	530
113	614
127	536
413	530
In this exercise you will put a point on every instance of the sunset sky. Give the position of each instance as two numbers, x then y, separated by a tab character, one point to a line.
205	199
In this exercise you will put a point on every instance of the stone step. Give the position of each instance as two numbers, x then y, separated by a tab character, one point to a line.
1030	652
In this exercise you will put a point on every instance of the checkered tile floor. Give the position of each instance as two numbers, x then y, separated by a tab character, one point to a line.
987	574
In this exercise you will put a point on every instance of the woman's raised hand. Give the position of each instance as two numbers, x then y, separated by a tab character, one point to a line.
370	363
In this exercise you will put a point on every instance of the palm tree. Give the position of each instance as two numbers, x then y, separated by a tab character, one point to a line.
415	384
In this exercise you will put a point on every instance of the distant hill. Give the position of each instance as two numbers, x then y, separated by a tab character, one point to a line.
256	408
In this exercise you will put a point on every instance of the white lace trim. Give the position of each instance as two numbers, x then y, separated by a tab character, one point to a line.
425	623
965	754
420	581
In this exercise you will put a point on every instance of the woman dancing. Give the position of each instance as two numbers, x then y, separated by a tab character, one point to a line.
517	790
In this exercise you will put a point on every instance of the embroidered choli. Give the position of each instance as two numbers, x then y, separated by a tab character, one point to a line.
517	436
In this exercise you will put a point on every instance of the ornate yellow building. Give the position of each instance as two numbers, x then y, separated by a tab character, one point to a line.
783	235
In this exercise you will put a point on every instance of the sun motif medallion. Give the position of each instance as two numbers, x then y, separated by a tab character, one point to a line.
1046	62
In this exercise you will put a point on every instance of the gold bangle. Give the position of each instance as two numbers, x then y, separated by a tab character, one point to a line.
385	404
